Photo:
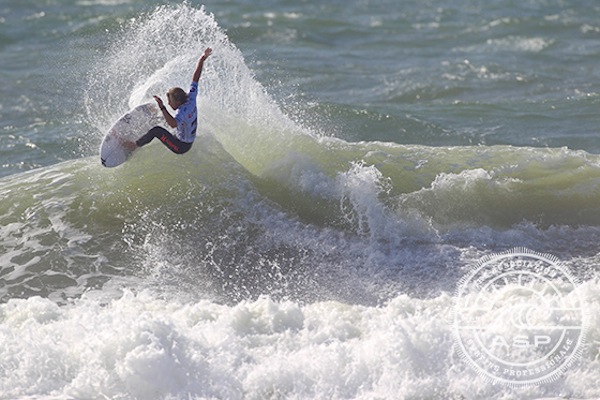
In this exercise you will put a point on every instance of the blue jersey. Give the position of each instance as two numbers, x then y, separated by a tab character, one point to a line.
187	117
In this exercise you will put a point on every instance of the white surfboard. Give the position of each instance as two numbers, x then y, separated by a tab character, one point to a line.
128	128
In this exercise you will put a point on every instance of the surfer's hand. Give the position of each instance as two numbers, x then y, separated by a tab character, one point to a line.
159	102
207	53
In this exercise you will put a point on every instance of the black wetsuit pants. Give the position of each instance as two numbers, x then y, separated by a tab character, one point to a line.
167	138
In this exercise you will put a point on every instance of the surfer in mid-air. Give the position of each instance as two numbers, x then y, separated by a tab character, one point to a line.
185	119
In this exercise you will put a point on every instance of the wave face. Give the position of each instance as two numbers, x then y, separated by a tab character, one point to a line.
273	260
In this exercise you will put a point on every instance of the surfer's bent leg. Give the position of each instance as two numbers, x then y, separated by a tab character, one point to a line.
167	138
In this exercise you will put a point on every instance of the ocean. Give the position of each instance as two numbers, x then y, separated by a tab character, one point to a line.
360	166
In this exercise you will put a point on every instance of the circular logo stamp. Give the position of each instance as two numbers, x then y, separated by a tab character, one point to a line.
518	318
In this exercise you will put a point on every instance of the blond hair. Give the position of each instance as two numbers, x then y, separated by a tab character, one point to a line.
178	95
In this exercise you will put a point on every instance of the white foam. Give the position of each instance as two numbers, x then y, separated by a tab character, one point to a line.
141	346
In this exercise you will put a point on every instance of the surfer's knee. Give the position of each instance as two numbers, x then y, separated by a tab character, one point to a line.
155	132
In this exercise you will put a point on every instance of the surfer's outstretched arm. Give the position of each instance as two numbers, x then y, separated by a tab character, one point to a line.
198	70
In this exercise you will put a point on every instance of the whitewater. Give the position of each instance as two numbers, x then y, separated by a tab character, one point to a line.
282	257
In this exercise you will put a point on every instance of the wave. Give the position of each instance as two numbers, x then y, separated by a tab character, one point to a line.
264	204
492	185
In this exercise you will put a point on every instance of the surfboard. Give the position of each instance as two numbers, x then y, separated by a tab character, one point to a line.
128	128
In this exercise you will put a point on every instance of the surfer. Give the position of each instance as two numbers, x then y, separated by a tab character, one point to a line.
185	119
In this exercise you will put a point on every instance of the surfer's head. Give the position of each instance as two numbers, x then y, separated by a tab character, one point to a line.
176	96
